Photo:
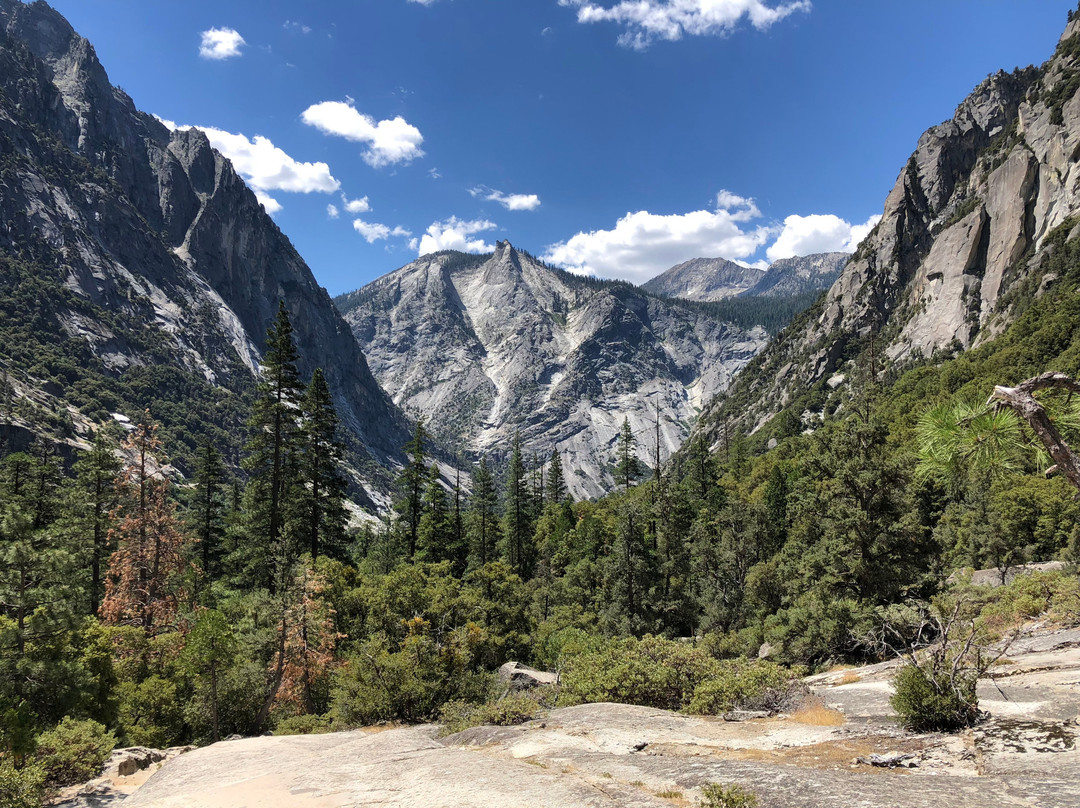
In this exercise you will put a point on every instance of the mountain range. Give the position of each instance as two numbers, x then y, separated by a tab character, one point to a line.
712	279
153	270
486	347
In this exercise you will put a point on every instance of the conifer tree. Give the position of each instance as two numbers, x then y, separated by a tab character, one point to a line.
146	569
556	482
517	519
90	506
208	509
628	468
209	650
323	517
271	459
434	537
411	485
483	516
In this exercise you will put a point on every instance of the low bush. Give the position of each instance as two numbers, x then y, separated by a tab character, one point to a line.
746	685
303	725
73	752
929	700
715	795
513	709
651	672
21	788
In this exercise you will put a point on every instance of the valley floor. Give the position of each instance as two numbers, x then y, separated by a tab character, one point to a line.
617	755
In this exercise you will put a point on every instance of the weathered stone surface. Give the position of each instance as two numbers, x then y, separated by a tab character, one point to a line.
603	755
521	677
704	279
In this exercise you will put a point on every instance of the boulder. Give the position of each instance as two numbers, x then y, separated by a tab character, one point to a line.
521	677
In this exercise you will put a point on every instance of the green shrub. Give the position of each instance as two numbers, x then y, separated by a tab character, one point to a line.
928	701
651	672
745	685
715	795
377	684
303	725
151	712
21	788
516	708
73	752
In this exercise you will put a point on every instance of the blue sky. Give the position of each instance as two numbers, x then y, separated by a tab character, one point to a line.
581	131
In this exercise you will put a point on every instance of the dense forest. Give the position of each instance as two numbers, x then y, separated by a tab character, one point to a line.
141	606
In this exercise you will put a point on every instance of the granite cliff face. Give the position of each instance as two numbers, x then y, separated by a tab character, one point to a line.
706	279
156	232
962	229
712	279
483	346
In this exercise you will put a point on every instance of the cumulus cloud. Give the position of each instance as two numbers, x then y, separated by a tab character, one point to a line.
270	205
645	21
508	201
454	234
373	231
220	43
293	25
389	141
361	205
643	244
332	211
805	235
265	167
423	2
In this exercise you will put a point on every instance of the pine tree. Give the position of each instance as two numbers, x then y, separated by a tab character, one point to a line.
628	468
145	576
435	531
209	650
90	505
207	511
323	517
271	460
411	485
483	517
517	519
556	482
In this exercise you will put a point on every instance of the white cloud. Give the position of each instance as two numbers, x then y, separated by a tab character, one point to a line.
265	167
817	233
643	244
508	201
220	43
332	211
361	205
296	26
645	21
423	2
389	141
372	231
453	234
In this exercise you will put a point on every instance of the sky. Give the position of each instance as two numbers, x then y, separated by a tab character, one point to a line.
611	137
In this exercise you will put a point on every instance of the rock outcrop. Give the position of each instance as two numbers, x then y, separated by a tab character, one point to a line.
486	346
155	234
604	755
704	279
712	279
962	229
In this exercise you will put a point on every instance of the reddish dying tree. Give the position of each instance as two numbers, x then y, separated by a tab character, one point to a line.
144	579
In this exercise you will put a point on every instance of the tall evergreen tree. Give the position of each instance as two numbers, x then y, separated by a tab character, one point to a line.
90	505
483	516
435	534
323	517
271	459
628	468
411	485
207	513
556	482
517	531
